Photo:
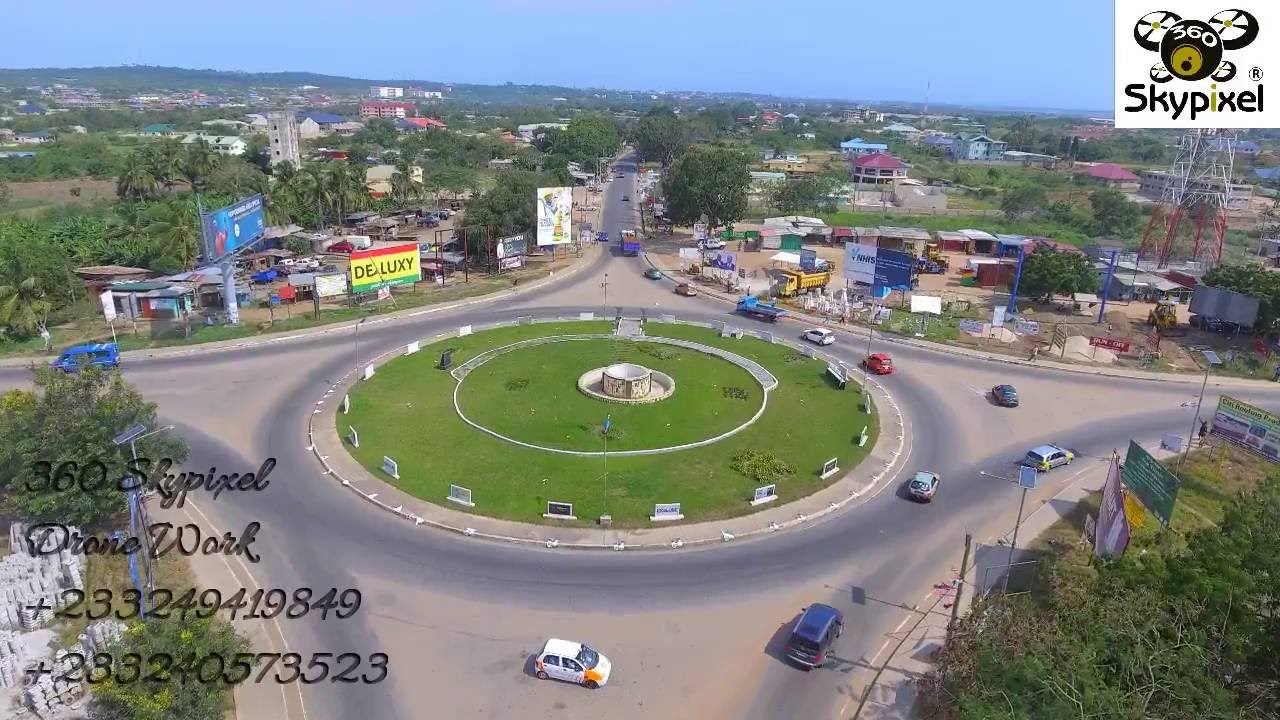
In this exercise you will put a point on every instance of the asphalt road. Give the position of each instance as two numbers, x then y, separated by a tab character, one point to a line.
691	633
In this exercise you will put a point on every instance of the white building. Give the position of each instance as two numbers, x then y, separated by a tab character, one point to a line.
383	91
221	144
282	137
529	132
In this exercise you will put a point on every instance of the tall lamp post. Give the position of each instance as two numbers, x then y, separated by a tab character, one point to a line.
1211	358
1027	478
604	286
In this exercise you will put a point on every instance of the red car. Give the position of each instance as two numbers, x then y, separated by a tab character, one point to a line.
343	247
879	363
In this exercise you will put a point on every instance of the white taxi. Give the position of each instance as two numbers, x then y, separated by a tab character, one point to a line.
572	662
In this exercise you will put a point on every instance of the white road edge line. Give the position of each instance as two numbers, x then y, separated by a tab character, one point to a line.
274	621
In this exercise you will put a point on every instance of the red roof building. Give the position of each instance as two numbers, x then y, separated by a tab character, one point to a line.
383	109
877	168
425	122
1112	175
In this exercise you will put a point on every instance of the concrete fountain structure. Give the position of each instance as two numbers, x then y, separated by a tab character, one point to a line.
627	383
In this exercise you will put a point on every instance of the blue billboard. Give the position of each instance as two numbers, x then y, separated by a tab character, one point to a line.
233	227
894	269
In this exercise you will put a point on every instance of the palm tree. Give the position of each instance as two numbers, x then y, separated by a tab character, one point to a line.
177	233
137	179
348	186
403	187
166	162
314	188
23	307
197	165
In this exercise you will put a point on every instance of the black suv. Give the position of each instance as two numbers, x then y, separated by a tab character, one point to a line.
814	637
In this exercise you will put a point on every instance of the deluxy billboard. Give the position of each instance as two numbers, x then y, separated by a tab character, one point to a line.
375	269
555	216
233	227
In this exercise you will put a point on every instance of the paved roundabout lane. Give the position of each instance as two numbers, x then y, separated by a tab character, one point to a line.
692	632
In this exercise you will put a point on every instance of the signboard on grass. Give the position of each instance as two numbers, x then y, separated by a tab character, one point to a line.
460	495
555	216
860	263
1252	428
1120	346
894	269
666	511
764	494
330	285
559	510
1155	486
108	305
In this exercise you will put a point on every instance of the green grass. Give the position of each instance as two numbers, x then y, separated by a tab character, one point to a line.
406	412
531	395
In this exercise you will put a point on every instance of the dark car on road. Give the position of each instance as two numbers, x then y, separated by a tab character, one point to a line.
626	198
813	639
653	273
1005	395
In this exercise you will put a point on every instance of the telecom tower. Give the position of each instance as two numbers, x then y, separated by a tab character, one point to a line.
1190	220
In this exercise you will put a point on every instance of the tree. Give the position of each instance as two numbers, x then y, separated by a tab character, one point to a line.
1114	215
23	307
165	159
661	135
137	179
177	232
510	206
586	139
1047	271
348	186
197	164
73	417
810	194
1023	200
183	697
5	195
711	181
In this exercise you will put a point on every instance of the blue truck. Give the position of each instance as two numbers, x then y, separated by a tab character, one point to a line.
752	306
630	247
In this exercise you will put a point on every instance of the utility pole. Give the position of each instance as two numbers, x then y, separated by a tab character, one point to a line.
964	569
1013	544
358	324
1210	359
604	305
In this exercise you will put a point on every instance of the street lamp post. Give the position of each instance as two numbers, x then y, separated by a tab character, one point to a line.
604	286
1211	359
358	324
1027	479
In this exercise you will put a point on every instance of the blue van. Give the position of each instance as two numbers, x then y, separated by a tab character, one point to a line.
98	355
814	637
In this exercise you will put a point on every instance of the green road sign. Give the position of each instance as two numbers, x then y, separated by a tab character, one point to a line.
1155	486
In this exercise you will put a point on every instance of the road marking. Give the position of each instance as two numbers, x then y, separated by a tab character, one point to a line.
976	391
281	647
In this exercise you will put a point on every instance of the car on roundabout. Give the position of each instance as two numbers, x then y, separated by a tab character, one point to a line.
924	486
1005	396
686	290
653	273
878	363
814	636
572	662
1047	457
819	336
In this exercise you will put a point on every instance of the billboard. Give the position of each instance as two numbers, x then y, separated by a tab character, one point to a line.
699	231
725	261
555	216
1249	427
1111	536
330	285
860	263
808	260
1155	486
233	227
510	246
375	269
1227	305
894	269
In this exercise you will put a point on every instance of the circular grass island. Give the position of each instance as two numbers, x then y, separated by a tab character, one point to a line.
538	437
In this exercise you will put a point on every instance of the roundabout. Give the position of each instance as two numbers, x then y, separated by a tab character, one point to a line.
511	422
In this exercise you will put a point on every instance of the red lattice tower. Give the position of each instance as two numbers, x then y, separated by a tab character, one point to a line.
1190	221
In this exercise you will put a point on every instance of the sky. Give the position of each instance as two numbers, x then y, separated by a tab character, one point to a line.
1024	53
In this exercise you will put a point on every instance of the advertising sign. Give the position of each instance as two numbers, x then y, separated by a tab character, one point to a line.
1120	346
384	267
330	285
860	263
997	317
725	261
1250	427
555	216
1026	327
699	231
808	260
390	467
666	511
973	327
509	246
1112	532
460	495
108	305
559	510
764	494
1155	486
894	269
511	263
234	226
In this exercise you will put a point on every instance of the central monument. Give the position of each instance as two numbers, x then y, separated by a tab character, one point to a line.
627	383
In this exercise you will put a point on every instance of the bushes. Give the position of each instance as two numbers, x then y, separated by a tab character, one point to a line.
761	466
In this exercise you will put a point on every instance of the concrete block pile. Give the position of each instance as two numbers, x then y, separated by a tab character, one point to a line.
25	579
51	698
